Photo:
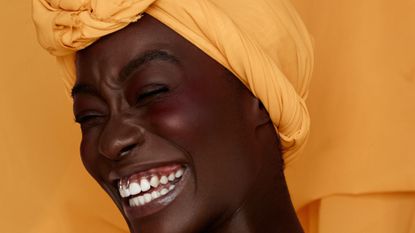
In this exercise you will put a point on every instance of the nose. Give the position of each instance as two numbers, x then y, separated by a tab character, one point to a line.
119	138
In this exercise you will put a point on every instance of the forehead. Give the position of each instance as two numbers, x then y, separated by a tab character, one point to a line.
110	53
105	61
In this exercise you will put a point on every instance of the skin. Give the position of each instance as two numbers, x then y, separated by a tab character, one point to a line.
180	106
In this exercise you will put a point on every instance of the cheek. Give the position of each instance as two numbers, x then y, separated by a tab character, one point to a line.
205	126
89	154
179	120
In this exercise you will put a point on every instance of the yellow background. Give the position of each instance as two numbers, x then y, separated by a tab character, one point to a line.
358	172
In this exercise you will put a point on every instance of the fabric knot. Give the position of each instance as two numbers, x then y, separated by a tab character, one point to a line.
65	26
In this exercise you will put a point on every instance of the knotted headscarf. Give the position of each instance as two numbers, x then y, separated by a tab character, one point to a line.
263	42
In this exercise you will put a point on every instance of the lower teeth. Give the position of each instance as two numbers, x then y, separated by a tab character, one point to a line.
148	197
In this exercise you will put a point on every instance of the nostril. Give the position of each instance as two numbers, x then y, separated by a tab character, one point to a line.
126	150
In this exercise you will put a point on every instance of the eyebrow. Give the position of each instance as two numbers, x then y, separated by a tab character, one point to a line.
143	59
130	68
83	89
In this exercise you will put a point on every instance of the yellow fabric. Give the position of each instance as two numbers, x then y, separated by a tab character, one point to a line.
356	175
366	213
264	44
362	104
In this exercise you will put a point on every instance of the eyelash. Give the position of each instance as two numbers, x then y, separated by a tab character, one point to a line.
152	91
85	118
141	98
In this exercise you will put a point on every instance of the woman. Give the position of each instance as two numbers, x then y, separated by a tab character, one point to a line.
168	130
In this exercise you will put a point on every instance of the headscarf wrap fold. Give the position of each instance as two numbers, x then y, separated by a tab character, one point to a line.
263	42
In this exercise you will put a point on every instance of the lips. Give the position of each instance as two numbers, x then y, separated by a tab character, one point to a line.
148	191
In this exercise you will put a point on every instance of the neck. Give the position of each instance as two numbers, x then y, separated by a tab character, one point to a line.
268	210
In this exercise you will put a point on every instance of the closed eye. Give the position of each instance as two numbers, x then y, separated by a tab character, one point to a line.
150	92
83	119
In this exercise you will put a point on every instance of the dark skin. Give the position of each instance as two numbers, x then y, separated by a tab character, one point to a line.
146	97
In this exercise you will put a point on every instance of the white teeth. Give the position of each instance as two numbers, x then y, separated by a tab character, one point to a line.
155	194
164	191
141	200
134	201
134	188
179	173
145	185
164	180
147	197
171	176
124	192
154	181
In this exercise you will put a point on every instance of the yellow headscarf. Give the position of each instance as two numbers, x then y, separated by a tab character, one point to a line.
263	42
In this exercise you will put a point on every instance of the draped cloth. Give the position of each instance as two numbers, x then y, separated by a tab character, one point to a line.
264	43
355	176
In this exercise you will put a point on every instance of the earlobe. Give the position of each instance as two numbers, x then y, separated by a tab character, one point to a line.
264	117
259	113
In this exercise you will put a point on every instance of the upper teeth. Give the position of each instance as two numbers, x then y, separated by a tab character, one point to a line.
154	181
145	184
179	173
135	188
171	177
164	180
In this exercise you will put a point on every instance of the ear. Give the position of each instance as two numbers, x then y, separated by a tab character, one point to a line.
259	114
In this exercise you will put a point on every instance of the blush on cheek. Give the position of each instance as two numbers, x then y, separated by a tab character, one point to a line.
173	125
177	121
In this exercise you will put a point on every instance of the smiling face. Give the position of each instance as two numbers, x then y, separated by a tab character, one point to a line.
167	131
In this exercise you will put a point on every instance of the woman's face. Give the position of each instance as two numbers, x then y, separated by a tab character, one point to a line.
166	130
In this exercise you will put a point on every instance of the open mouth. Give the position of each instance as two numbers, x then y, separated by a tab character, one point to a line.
148	191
